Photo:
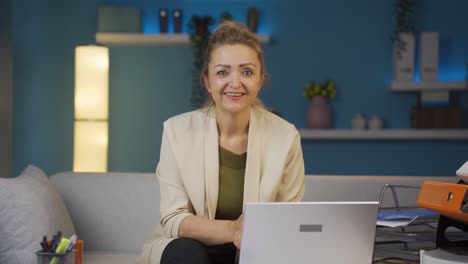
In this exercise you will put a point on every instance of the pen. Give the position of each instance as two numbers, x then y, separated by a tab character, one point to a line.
59	238
45	244
43	248
71	243
60	250
56	240
52	243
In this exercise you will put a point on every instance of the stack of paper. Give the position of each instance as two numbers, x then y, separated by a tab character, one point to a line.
404	217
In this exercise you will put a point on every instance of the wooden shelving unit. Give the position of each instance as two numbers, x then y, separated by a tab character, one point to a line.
385	134
428	86
153	39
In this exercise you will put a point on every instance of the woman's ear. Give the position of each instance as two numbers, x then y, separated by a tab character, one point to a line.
205	81
261	83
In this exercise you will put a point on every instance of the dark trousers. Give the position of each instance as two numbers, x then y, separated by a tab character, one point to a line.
191	251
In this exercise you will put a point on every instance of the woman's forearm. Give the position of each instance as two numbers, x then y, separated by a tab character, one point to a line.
208	231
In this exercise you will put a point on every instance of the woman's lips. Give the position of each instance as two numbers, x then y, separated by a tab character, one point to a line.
231	94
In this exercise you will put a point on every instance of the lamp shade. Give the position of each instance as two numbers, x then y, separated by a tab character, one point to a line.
91	82
91	129
90	146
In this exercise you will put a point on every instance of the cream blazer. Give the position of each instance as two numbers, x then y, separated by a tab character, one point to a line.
188	170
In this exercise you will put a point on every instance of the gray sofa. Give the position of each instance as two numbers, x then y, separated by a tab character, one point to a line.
113	213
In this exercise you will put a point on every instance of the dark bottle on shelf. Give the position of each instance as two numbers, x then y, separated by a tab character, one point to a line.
163	20
252	19
177	16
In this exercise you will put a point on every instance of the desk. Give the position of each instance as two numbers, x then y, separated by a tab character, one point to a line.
394	261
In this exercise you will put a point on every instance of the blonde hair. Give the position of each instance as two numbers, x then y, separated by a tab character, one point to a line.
231	33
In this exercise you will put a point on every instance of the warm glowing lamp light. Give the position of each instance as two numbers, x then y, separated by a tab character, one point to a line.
91	108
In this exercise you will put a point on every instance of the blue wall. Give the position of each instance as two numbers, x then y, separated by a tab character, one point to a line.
347	41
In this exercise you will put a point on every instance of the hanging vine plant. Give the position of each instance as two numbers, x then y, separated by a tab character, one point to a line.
199	40
404	10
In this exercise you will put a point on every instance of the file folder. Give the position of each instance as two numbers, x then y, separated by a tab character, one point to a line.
448	199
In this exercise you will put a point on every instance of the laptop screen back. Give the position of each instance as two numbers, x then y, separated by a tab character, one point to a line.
309	232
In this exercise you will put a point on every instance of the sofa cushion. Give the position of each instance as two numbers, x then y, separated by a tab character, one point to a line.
111	212
105	257
30	207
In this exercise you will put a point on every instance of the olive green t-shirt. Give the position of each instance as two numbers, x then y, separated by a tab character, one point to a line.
231	184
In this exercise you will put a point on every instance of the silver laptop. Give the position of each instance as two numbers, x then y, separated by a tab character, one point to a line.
308	232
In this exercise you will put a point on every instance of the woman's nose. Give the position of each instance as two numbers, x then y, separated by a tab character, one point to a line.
235	80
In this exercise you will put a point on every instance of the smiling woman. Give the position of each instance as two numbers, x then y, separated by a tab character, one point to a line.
233	78
215	159
233	41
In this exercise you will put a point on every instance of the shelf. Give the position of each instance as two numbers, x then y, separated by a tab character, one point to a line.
153	39
428	86
386	134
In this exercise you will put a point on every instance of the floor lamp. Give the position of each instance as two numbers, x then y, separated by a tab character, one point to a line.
91	123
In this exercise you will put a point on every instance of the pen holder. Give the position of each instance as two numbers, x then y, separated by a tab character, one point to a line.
55	258
78	251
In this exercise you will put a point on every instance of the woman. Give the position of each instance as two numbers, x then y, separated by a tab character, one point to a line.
216	158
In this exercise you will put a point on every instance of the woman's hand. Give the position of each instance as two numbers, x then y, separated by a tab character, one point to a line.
238	231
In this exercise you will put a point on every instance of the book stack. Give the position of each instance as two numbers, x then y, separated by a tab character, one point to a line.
429	117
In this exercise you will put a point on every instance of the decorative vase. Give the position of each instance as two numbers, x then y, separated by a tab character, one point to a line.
358	122
429	56
375	123
319	113
403	57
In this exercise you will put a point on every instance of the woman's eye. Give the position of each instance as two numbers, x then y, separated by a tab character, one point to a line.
247	72
221	73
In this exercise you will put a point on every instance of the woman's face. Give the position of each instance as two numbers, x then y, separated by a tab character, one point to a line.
234	77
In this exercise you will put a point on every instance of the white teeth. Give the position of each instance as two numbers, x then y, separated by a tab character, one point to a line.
234	94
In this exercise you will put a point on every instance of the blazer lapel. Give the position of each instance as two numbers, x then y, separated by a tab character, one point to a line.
252	168
211	163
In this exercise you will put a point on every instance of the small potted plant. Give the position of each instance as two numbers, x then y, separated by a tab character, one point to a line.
199	40
404	24
319	112
403	40
326	90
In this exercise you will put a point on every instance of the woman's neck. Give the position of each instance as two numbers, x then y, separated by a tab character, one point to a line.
233	124
233	129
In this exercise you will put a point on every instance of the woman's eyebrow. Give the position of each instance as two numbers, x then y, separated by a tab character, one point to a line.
247	64
240	65
222	65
